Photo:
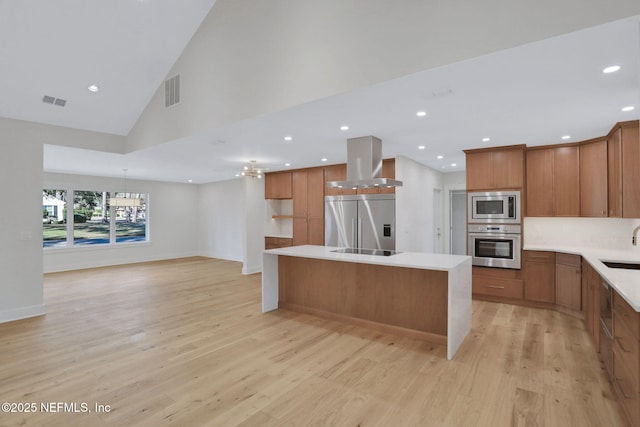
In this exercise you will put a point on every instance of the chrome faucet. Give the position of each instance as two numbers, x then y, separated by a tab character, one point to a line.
634	239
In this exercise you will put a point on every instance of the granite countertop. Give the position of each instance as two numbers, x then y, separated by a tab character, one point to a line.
625	282
426	261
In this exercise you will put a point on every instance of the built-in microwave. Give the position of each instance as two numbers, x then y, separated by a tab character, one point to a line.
494	207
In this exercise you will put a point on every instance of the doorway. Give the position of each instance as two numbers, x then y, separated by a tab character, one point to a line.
458	222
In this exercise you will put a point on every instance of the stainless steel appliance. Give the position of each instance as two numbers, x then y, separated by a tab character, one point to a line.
606	326
501	207
361	221
364	165
377	252
495	245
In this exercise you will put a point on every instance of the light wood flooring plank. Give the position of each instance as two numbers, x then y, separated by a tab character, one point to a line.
184	343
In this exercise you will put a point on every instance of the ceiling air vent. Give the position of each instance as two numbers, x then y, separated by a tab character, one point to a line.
172	91
54	101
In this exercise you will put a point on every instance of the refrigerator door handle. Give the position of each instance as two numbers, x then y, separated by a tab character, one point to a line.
354	231
359	232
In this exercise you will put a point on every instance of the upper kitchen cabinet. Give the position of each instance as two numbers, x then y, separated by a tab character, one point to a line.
593	178
278	185
308	206
336	173
495	168
624	174
553	181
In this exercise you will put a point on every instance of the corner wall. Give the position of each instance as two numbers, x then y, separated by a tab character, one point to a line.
416	217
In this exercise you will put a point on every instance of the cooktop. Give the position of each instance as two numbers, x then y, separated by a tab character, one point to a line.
380	252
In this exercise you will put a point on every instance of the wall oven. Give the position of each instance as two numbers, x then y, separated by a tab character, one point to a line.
495	245
501	207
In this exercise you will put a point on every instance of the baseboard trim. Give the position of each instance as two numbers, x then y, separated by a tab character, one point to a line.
22	313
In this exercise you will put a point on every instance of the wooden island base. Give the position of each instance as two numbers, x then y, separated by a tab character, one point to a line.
405	301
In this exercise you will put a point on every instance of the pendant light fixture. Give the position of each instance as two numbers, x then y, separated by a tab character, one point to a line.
125	201
253	170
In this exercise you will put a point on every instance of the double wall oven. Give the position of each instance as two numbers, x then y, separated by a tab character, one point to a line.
494	230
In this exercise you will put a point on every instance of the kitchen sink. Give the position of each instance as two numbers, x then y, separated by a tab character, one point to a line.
624	265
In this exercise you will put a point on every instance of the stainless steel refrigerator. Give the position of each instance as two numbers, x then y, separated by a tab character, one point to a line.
366	221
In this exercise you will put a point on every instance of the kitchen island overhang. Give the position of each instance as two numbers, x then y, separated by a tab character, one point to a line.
420	295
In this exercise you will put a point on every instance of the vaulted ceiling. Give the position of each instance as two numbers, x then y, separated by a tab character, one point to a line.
532	94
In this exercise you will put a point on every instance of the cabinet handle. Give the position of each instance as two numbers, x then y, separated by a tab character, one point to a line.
495	287
621	346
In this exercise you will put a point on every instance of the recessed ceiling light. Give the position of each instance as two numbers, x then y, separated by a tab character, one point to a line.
93	88
566	136
440	157
453	165
288	138
324	159
344	127
443	167
611	69
287	164
190	180
239	174
628	108
421	147
485	139
421	113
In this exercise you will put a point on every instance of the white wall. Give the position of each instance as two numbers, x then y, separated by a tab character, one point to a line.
21	228
173	211
415	222
222	221
451	181
255	207
232	224
253	57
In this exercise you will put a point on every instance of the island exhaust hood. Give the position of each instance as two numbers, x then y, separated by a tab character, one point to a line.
364	165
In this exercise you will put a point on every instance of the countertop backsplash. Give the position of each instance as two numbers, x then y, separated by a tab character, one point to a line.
596	233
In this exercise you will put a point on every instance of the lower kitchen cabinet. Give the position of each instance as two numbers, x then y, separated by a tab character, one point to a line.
626	357
539	276
497	282
568	281
277	242
591	301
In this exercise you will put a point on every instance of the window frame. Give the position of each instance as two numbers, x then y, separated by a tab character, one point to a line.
70	245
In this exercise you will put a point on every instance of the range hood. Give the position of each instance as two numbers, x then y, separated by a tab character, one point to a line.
364	165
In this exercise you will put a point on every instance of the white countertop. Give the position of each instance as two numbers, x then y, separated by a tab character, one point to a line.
426	261
625	282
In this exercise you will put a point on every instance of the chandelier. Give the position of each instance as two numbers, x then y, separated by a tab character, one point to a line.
253	170
125	201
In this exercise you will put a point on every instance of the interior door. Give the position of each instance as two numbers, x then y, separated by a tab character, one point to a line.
340	222
377	224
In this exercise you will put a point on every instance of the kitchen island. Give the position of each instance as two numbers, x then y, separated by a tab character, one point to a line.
420	295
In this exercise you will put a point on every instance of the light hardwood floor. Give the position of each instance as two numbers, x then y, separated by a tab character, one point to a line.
184	343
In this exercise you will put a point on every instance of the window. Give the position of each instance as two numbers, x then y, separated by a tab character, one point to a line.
131	221
54	214
91	225
94	221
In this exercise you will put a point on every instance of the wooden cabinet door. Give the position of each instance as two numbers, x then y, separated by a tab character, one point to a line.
568	286
614	161
540	182
630	172
593	179
308	207
566	181
508	169
540	281
299	187
315	206
336	173
277	185
479	167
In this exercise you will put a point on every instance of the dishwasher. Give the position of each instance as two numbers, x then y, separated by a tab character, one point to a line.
606	326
